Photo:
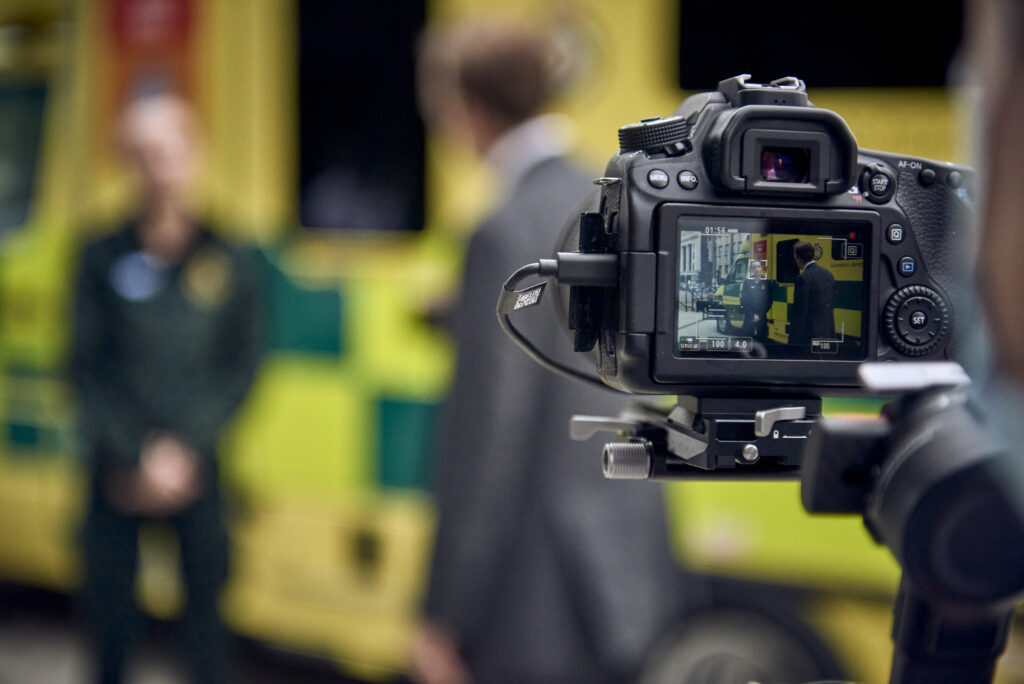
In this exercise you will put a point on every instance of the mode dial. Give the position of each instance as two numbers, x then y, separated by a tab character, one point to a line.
916	320
653	134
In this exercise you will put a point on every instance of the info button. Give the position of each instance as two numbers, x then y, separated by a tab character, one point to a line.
687	180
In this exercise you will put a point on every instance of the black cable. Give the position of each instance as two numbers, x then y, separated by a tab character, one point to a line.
597	272
544	267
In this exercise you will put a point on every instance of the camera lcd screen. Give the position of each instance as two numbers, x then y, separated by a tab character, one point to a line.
771	288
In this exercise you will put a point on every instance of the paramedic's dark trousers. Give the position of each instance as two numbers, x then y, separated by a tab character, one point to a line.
110	545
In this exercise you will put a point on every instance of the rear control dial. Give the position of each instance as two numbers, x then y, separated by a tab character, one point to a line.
916	320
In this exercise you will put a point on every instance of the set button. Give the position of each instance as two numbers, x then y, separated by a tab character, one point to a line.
918	319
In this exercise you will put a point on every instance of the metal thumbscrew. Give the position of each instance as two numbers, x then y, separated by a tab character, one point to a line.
627	460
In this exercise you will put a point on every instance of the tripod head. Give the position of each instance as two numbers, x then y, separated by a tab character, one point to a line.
926	476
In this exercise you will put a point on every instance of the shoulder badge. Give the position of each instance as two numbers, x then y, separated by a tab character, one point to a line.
137	276
208	277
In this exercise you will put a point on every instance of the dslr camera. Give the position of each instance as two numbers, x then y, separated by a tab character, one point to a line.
745	255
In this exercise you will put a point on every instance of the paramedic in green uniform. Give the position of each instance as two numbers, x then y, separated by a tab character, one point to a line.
165	345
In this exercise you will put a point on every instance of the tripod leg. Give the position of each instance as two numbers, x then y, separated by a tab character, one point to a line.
942	644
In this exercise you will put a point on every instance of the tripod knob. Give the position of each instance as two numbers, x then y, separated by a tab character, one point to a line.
627	460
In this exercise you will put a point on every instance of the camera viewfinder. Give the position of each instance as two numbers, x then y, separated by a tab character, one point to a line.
784	165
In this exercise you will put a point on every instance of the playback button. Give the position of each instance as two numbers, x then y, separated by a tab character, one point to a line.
906	266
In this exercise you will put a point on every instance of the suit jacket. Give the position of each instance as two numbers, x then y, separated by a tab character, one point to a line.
812	305
545	570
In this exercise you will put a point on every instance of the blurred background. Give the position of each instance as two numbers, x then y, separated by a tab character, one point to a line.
316	160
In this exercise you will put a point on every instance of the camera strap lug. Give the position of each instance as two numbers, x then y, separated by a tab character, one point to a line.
611	197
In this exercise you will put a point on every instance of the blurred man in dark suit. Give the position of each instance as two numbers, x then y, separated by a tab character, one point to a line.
543	571
812	298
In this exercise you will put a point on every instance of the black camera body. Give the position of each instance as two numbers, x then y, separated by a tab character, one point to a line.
713	214
747	257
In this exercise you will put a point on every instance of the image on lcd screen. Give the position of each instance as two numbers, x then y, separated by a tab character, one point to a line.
771	288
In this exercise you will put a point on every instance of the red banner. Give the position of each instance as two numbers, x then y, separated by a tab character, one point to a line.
150	47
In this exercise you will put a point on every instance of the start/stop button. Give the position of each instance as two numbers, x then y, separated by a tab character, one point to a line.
877	183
